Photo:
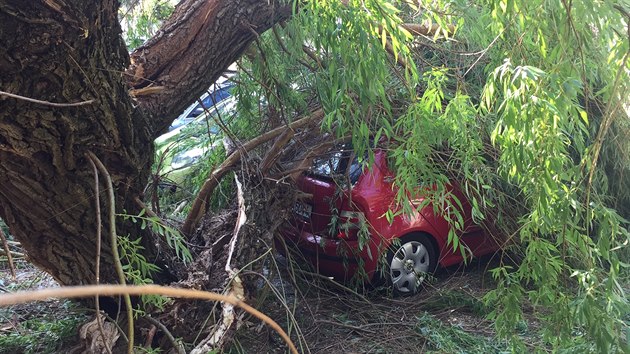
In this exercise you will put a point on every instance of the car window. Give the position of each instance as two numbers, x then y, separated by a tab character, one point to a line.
334	164
196	111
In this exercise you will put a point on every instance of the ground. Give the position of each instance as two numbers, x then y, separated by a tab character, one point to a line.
447	317
322	317
37	327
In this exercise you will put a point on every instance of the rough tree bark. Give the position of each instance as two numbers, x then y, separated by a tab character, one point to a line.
71	50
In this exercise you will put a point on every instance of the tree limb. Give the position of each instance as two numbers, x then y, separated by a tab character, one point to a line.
198	208
180	60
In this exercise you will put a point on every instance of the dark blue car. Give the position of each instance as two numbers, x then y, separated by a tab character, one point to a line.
216	94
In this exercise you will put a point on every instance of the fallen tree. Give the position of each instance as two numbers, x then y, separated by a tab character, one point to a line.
519	132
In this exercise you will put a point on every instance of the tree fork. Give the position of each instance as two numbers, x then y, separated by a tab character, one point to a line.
75	53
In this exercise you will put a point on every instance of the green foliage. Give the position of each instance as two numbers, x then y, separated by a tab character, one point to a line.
353	88
543	94
138	270
451	339
173	237
142	19
527	109
175	186
47	333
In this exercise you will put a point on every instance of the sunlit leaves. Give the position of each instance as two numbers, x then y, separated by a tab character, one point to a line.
543	92
516	110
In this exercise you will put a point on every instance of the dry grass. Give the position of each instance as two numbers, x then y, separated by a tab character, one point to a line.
331	320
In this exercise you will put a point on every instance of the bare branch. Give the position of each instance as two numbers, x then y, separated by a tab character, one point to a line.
97	271
22	297
46	103
114	243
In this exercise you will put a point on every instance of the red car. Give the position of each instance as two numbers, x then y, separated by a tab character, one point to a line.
340	229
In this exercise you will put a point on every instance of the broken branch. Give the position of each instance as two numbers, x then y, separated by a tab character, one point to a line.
5	244
198	208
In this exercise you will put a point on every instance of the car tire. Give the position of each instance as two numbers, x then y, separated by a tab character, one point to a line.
409	263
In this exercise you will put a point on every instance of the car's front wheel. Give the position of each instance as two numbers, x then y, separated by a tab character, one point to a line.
409	263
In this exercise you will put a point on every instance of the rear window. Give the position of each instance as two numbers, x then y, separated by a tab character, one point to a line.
337	164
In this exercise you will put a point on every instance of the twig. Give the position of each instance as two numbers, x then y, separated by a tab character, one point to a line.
313	56
149	337
346	326
332	281
113	290
5	244
283	302
177	345
417	29
46	103
97	304
483	52
603	129
286	50
114	242
13	254
276	149
149	212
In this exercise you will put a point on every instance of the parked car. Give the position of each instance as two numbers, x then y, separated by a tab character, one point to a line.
341	225
214	95
181	148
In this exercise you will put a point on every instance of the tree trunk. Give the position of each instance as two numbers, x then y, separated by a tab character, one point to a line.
69	51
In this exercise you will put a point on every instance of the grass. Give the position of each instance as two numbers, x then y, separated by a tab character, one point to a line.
36	327
453	299
443	338
48	331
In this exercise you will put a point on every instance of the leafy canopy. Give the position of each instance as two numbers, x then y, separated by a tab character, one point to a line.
524	102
